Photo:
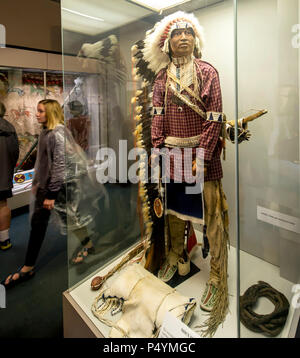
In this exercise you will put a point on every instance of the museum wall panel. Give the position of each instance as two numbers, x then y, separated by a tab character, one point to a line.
32	24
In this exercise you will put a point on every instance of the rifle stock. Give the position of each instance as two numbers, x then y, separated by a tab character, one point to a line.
242	122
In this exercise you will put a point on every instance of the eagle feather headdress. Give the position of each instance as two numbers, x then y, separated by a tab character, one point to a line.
152	53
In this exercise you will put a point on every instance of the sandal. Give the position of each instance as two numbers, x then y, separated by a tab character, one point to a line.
81	254
23	276
5	245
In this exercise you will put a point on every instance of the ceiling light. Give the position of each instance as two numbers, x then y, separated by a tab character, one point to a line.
81	14
158	5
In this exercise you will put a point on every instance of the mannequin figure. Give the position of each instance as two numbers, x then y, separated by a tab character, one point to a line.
187	113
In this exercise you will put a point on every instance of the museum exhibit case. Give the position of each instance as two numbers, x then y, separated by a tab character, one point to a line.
114	219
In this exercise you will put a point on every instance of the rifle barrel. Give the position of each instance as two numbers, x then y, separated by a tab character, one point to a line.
254	116
249	118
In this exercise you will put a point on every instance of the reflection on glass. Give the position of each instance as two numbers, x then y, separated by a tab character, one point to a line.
269	168
95	113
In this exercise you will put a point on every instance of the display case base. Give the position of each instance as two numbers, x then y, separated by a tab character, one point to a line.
76	322
79	321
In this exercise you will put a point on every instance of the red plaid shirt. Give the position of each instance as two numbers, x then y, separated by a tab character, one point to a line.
184	122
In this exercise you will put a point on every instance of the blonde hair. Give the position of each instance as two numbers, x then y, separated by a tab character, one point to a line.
54	113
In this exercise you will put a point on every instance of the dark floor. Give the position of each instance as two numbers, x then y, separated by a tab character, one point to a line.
34	308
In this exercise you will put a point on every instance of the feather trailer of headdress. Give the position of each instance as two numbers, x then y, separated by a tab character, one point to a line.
149	193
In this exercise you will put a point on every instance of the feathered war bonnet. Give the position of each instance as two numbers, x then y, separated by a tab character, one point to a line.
156	43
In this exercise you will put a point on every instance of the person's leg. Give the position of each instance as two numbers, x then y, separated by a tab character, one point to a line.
216	220
176	254
5	219
214	228
5	215
39	223
176	230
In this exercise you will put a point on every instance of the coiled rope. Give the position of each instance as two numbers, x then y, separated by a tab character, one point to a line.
269	324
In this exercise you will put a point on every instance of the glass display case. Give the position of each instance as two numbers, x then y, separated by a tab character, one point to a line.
260	176
268	166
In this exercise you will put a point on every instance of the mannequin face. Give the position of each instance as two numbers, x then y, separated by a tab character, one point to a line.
41	114
182	42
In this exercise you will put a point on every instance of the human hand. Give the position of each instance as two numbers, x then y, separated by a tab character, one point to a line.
48	204
194	168
243	134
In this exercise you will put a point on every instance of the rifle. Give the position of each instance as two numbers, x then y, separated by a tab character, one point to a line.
243	122
243	132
